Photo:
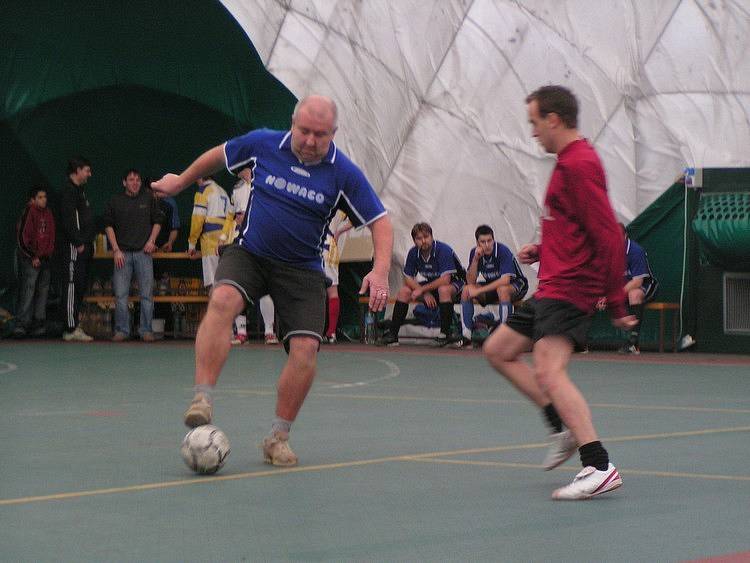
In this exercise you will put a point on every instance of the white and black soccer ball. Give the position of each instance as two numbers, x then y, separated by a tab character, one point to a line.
205	449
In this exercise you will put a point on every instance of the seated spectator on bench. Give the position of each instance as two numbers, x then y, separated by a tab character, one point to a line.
433	275
640	288
493	276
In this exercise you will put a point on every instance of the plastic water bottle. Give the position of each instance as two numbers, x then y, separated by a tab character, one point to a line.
369	327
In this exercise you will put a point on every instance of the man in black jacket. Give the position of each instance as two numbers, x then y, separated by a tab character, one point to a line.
78	233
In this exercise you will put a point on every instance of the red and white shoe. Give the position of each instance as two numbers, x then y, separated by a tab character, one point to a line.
590	482
239	339
271	338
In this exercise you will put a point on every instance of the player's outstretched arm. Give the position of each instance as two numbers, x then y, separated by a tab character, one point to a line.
377	280
206	164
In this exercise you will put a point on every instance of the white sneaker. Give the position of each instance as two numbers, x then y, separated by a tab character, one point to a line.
77	335
590	482
562	446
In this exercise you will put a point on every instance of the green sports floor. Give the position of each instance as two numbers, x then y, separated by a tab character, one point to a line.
408	454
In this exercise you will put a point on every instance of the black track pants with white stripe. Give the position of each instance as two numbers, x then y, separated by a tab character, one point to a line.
75	288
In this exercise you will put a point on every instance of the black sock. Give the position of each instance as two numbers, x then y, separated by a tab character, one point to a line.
634	336
446	318
399	314
553	419
595	455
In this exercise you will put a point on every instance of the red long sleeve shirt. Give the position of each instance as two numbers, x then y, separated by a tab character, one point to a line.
36	232
581	255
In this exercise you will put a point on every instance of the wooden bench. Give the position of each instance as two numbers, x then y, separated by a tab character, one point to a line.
662	307
655	306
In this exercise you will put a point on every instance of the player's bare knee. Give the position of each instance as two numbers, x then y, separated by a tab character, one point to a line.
303	351
404	295
446	292
226	302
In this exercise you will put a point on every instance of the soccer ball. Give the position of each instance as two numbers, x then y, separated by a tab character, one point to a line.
205	449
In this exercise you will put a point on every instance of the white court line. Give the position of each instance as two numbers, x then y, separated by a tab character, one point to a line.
394	371
8	367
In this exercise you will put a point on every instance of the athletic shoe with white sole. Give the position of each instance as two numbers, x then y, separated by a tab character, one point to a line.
199	412
276	451
562	446
590	482
77	335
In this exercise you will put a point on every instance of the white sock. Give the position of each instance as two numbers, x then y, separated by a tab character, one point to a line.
240	324
267	310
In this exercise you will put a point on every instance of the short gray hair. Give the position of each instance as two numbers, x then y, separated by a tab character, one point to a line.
306	99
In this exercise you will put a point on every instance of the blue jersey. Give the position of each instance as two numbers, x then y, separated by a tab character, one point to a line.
442	260
498	264
292	203
638	267
637	261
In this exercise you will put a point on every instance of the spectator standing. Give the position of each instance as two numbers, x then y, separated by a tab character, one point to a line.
240	198
332	249
132	223
36	244
78	236
211	224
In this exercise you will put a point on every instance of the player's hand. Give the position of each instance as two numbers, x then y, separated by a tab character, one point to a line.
150	248
625	323
169	185
119	259
430	301
36	263
192	253
416	293
601	305
528	254
166	247
478	253
377	284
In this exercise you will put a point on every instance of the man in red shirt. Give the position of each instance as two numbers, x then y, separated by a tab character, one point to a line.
580	257
36	243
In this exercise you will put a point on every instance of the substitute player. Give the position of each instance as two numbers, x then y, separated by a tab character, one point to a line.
493	276
301	179
432	274
581	257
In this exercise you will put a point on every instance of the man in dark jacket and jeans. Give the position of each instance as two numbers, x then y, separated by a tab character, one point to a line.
132	223
77	245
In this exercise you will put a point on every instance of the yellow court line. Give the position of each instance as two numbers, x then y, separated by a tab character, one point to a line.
241	392
355	463
571	469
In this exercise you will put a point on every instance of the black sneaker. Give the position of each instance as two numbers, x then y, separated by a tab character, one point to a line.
629	349
388	339
457	340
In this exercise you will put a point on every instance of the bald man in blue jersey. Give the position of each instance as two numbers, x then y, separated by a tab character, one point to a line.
301	180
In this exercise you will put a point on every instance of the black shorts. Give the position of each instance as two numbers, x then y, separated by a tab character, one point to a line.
299	295
538	318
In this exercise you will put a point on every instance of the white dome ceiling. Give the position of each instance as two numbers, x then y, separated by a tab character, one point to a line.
431	96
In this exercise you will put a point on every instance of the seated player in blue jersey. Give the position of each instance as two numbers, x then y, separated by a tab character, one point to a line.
493	276
301	180
640	288
434	275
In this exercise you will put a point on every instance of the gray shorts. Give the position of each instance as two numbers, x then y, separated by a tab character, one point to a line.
299	295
